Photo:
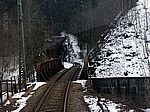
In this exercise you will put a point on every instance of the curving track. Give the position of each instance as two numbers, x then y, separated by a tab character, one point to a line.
55	98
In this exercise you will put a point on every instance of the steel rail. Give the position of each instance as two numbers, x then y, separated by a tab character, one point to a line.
67	90
45	95
53	85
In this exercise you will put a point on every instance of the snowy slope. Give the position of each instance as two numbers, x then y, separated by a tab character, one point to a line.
22	101
127	47
73	49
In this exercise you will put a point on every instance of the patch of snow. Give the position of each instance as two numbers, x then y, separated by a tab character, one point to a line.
21	103
4	96
38	84
7	103
92	103
146	110
18	95
68	65
73	49
131	110
96	105
112	106
83	83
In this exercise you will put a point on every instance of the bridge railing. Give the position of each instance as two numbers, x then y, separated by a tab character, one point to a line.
48	69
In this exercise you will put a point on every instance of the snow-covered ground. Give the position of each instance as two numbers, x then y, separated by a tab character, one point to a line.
96	105
4	96
106	105
22	101
126	52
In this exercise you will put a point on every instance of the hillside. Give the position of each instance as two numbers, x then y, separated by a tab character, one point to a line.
125	52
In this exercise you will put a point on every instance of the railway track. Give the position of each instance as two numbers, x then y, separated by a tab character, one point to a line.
55	98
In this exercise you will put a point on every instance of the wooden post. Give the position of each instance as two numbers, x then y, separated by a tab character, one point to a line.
7	90
32	75
12	86
1	93
15	86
